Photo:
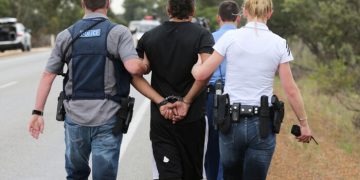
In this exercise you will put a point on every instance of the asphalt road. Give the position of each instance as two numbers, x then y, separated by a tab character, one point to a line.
24	158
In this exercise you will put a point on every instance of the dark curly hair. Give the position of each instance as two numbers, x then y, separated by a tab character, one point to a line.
181	9
93	5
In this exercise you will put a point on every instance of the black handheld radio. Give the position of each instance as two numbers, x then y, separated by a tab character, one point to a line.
295	130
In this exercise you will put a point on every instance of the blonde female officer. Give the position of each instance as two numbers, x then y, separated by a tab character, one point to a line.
254	54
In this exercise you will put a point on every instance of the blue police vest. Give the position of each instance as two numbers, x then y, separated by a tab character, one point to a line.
88	59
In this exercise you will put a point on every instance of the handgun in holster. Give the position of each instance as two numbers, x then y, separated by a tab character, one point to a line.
264	117
124	115
60	110
279	112
222	117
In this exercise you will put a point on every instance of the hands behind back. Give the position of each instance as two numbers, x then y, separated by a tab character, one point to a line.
175	111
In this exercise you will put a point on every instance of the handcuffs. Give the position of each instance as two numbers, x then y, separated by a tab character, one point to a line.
170	99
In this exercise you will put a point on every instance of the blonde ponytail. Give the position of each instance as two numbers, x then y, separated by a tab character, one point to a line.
258	8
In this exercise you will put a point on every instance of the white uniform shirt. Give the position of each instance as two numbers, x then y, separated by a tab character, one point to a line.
253	55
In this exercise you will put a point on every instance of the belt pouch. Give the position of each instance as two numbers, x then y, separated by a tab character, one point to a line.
264	117
60	110
131	102
235	112
216	112
124	116
120	117
223	119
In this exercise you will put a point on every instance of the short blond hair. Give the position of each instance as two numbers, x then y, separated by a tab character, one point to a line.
258	8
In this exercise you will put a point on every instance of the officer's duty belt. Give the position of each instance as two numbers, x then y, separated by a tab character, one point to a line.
244	111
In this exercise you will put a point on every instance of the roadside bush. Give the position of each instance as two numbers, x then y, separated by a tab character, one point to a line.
356	121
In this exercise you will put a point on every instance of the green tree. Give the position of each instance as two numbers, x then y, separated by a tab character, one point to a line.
4	8
45	17
137	9
331	30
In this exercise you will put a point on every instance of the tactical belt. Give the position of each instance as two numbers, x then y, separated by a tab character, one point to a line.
238	111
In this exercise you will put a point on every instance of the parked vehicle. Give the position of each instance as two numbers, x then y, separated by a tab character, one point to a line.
14	35
138	28
133	25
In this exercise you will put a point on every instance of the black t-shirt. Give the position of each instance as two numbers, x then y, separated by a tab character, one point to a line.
172	49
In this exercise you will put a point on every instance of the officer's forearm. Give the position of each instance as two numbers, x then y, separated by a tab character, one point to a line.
292	92
198	85
145	89
207	64
297	104
43	90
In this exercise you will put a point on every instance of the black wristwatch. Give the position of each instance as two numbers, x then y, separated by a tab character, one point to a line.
37	112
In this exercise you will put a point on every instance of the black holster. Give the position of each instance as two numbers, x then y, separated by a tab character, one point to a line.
264	117
124	115
222	118
60	110
279	112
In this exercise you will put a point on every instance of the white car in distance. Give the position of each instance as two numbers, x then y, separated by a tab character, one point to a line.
138	28
14	35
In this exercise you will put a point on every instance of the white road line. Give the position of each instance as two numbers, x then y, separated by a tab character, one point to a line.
8	84
137	119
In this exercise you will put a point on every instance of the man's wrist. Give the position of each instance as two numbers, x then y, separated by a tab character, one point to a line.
188	102
161	103
37	112
303	119
303	123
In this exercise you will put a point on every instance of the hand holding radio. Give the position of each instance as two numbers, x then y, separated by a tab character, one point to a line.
296	131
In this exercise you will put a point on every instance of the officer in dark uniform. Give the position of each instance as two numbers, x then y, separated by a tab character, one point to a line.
101	58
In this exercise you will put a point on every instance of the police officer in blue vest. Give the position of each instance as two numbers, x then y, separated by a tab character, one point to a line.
101	58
